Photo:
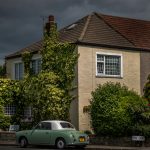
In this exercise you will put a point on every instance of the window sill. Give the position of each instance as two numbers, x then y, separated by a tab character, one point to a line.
105	76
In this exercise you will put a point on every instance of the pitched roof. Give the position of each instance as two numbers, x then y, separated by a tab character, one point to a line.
102	29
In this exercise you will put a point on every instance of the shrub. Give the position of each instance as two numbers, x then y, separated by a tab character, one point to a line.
115	110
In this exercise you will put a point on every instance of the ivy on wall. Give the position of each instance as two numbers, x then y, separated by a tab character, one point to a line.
26	58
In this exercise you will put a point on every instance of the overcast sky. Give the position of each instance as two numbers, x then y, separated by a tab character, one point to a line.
21	21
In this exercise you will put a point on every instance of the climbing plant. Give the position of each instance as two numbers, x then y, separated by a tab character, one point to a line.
26	58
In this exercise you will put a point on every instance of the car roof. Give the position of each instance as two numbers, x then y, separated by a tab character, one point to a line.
54	121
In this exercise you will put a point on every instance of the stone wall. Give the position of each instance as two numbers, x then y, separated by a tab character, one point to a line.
7	137
119	141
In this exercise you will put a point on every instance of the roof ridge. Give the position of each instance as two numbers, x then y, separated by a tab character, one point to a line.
100	16
85	28
122	17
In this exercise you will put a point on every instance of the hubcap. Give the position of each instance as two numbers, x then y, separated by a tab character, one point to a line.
60	144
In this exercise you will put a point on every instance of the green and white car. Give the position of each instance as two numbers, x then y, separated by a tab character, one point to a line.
52	132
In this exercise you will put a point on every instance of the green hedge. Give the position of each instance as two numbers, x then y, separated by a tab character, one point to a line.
118	111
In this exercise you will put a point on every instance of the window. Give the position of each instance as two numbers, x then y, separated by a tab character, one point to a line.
27	112
66	125
46	126
10	110
109	65
36	66
43	126
18	71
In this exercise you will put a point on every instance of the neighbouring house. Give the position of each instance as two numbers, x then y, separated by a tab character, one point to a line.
111	48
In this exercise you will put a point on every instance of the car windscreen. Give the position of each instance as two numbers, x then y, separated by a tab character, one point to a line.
66	125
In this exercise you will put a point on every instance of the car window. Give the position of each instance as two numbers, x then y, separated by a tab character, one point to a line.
66	125
39	126
46	126
43	126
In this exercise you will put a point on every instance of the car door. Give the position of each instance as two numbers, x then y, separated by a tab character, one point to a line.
41	133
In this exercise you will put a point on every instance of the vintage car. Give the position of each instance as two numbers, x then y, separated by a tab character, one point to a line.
52	132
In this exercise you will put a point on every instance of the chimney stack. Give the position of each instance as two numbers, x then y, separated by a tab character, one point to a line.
50	23
51	18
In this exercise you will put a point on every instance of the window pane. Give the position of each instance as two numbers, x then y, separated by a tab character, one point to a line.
66	125
46	126
38	65
10	110
34	66
112	65
100	67
18	71
100	57
27	111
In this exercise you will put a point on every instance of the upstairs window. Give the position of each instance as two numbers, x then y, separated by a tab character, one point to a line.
109	65
18	71
36	66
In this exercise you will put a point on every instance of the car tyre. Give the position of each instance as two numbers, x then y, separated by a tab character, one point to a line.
60	143
23	142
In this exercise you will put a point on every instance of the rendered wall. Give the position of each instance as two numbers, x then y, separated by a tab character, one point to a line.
88	81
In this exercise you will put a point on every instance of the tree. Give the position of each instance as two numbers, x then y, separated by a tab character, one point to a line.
118	111
2	71
48	93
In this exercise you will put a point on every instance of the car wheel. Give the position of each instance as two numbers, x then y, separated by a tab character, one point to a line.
23	142
60	143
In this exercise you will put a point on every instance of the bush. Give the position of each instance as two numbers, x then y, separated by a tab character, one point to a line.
4	122
115	110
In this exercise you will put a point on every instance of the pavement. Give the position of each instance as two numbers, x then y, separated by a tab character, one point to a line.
94	147
102	147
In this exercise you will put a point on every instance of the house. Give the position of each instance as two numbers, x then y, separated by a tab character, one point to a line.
111	49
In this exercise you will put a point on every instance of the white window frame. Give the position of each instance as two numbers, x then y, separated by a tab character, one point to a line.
36	64
110	54
17	62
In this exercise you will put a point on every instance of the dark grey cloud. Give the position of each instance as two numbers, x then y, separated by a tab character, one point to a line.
21	21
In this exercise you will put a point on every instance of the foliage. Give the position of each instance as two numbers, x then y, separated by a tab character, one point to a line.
2	71
7	88
12	93
20	101
117	111
48	93
45	97
26	58
60	58
147	89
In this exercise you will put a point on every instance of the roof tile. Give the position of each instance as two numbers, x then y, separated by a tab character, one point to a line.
102	29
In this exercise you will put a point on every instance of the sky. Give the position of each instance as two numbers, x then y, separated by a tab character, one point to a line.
21	21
